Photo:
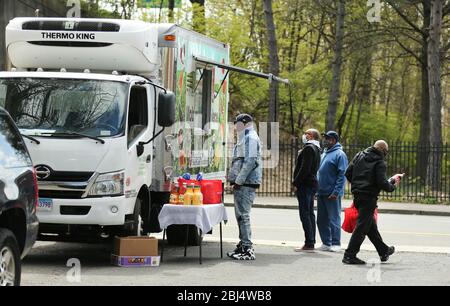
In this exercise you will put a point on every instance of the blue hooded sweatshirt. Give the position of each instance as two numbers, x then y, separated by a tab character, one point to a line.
331	173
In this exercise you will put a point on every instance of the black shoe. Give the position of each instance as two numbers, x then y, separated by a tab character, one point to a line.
385	257
246	253
238	249
353	261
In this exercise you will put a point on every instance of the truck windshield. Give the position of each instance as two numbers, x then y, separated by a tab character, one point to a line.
41	107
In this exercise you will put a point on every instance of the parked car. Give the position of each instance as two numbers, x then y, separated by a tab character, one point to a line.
18	202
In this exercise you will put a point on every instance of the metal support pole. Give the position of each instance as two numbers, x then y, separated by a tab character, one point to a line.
221	248
186	239
162	245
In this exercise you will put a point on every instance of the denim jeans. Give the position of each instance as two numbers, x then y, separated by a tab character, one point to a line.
329	220
365	226
305	196
243	201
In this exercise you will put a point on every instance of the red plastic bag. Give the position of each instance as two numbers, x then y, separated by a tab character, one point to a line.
351	218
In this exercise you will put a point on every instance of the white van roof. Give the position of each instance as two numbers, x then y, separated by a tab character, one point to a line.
129	46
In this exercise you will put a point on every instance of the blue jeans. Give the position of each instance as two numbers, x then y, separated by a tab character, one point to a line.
329	220
305	196
243	201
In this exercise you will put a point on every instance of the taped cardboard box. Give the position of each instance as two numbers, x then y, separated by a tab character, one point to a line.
136	246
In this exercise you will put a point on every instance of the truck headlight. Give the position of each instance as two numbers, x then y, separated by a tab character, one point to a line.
108	184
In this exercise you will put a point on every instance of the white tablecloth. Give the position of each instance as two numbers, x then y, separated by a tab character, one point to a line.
202	216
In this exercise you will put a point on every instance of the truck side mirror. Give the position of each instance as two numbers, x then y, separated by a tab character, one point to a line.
166	109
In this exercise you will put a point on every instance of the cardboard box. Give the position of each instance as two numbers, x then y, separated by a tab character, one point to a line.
136	246
135	261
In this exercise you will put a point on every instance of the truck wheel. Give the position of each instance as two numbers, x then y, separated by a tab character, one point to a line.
10	265
176	235
133	223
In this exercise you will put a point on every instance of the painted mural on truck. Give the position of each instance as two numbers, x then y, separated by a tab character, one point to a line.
202	96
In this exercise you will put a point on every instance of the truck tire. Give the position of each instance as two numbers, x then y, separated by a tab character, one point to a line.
10	264
176	235
131	227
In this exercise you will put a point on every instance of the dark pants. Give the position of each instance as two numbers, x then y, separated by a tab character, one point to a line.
365	226
305	196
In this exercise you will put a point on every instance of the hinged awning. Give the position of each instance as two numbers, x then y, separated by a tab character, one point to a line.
269	76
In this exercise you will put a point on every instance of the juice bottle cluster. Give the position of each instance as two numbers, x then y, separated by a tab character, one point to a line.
186	195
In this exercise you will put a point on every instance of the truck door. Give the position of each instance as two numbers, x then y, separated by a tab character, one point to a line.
139	129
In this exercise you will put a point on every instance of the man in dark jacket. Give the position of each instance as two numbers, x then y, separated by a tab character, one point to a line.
305	185
367	175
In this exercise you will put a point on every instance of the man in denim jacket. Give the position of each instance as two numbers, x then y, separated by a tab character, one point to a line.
245	176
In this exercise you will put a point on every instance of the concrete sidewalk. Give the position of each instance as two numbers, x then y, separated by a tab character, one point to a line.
383	207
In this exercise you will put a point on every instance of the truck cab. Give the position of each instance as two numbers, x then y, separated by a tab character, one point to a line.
90	167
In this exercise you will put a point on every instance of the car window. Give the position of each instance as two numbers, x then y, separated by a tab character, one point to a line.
13	152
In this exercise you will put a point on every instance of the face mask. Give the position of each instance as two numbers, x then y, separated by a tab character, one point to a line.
304	139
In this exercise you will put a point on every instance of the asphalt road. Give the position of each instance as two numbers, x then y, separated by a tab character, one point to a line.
406	232
424	258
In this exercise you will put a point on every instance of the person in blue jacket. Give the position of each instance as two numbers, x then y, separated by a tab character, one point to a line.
331	177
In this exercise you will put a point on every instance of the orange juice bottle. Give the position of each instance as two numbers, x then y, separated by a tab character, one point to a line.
174	194
198	196
181	194
188	196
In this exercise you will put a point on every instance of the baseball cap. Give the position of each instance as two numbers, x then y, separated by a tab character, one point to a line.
244	118
331	134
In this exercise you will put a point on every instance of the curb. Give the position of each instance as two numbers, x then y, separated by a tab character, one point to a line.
380	210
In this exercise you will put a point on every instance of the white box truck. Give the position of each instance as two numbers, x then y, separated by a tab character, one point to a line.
112	111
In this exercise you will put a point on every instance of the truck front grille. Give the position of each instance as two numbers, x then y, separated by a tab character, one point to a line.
68	176
60	194
74	210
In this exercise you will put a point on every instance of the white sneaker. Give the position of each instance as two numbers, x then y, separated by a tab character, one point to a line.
324	248
335	248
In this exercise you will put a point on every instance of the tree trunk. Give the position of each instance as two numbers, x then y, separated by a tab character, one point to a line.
350	99
424	133
358	119
336	68
199	16
434	80
274	64
293	31
364	95
171	10
319	37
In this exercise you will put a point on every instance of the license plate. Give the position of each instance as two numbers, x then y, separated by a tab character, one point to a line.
45	205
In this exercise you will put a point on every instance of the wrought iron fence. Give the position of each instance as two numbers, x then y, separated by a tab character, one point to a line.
411	158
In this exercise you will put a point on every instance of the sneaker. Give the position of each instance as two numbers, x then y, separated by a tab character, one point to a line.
246	253
335	248
385	257
353	261
305	248
236	250
324	248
